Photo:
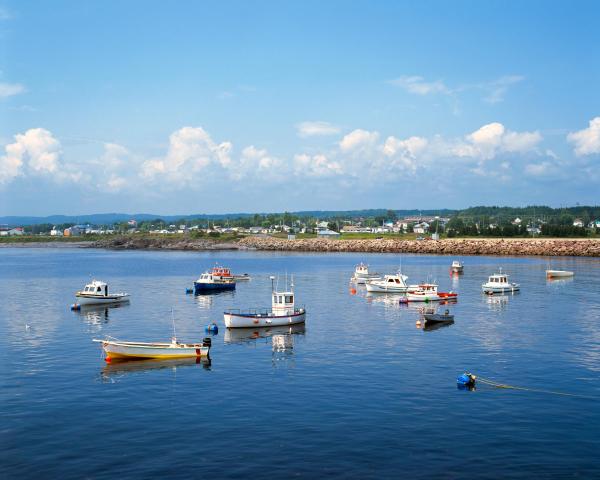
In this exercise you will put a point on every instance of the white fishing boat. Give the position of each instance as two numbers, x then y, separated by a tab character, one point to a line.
122	350
558	274
362	274
456	267
282	312
498	283
389	284
97	292
428	292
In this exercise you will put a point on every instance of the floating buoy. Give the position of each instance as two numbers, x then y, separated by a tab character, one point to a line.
403	300
466	380
418	323
189	290
75	306
212	328
353	291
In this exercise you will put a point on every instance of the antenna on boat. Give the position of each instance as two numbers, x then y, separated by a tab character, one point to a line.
174	339
292	284
272	277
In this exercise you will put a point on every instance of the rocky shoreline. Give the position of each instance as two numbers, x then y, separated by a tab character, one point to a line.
521	246
161	243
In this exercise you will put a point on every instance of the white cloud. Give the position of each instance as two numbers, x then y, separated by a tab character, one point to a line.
318	128
191	150
498	88
539	169
586	141
316	166
358	139
492	139
418	86
411	146
115	183
37	152
10	89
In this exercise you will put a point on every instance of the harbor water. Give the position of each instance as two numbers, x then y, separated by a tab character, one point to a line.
363	393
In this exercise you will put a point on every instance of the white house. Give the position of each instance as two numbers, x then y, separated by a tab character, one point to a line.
422	227
517	221
578	222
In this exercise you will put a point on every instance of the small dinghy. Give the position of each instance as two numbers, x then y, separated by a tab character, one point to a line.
242	277
122	350
439	317
558	274
97	293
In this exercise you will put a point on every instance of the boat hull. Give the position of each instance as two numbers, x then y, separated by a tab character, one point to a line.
496	289
212	287
100	300
430	297
558	273
123	351
235	320
375	288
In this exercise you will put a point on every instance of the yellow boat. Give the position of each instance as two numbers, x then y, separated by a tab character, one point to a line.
121	350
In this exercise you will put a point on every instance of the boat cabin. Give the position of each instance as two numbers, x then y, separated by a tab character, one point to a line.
428	288
498	278
283	303
395	280
220	272
362	268
96	288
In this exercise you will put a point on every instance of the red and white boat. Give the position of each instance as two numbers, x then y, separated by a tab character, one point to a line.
428	292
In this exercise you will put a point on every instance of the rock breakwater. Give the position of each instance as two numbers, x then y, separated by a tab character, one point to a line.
161	243
546	247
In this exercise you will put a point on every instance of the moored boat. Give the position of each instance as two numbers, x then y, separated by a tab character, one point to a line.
498	283
559	273
123	350
438	317
215	280
362	274
456	267
428	292
389	284
97	292
282	312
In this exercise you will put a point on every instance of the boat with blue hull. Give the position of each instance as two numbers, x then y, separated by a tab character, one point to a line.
217	280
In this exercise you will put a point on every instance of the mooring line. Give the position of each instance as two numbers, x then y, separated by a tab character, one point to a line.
525	389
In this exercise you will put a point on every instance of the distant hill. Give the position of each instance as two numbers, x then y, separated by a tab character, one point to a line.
110	218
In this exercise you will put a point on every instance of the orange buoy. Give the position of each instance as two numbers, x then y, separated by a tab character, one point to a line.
353	291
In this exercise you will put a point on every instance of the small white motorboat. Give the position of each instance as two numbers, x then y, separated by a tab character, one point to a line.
122	350
241	277
362	275
282	312
558	274
498	283
97	292
428	292
456	267
389	284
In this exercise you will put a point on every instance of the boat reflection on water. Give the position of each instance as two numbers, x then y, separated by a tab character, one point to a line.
389	300
116	368
205	300
98	315
245	335
558	282
497	302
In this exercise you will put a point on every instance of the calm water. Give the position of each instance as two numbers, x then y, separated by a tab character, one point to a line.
363	394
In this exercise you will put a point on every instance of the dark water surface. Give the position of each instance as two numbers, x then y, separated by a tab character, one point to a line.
363	394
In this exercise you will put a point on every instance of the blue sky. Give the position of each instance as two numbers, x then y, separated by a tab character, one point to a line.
214	107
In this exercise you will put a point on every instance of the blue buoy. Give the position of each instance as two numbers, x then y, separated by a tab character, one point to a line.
466	380
212	328
189	290
75	306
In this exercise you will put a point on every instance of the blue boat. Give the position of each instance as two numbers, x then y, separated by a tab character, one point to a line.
217	280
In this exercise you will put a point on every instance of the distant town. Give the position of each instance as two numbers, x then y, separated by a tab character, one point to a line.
476	221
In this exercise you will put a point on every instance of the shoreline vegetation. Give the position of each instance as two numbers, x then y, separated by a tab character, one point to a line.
580	247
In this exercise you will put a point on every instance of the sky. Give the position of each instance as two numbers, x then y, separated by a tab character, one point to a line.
225	106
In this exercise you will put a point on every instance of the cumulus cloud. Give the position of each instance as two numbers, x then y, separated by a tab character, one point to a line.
418	86
316	166
191	149
492	139
10	89
311	129
358	139
586	141
37	152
